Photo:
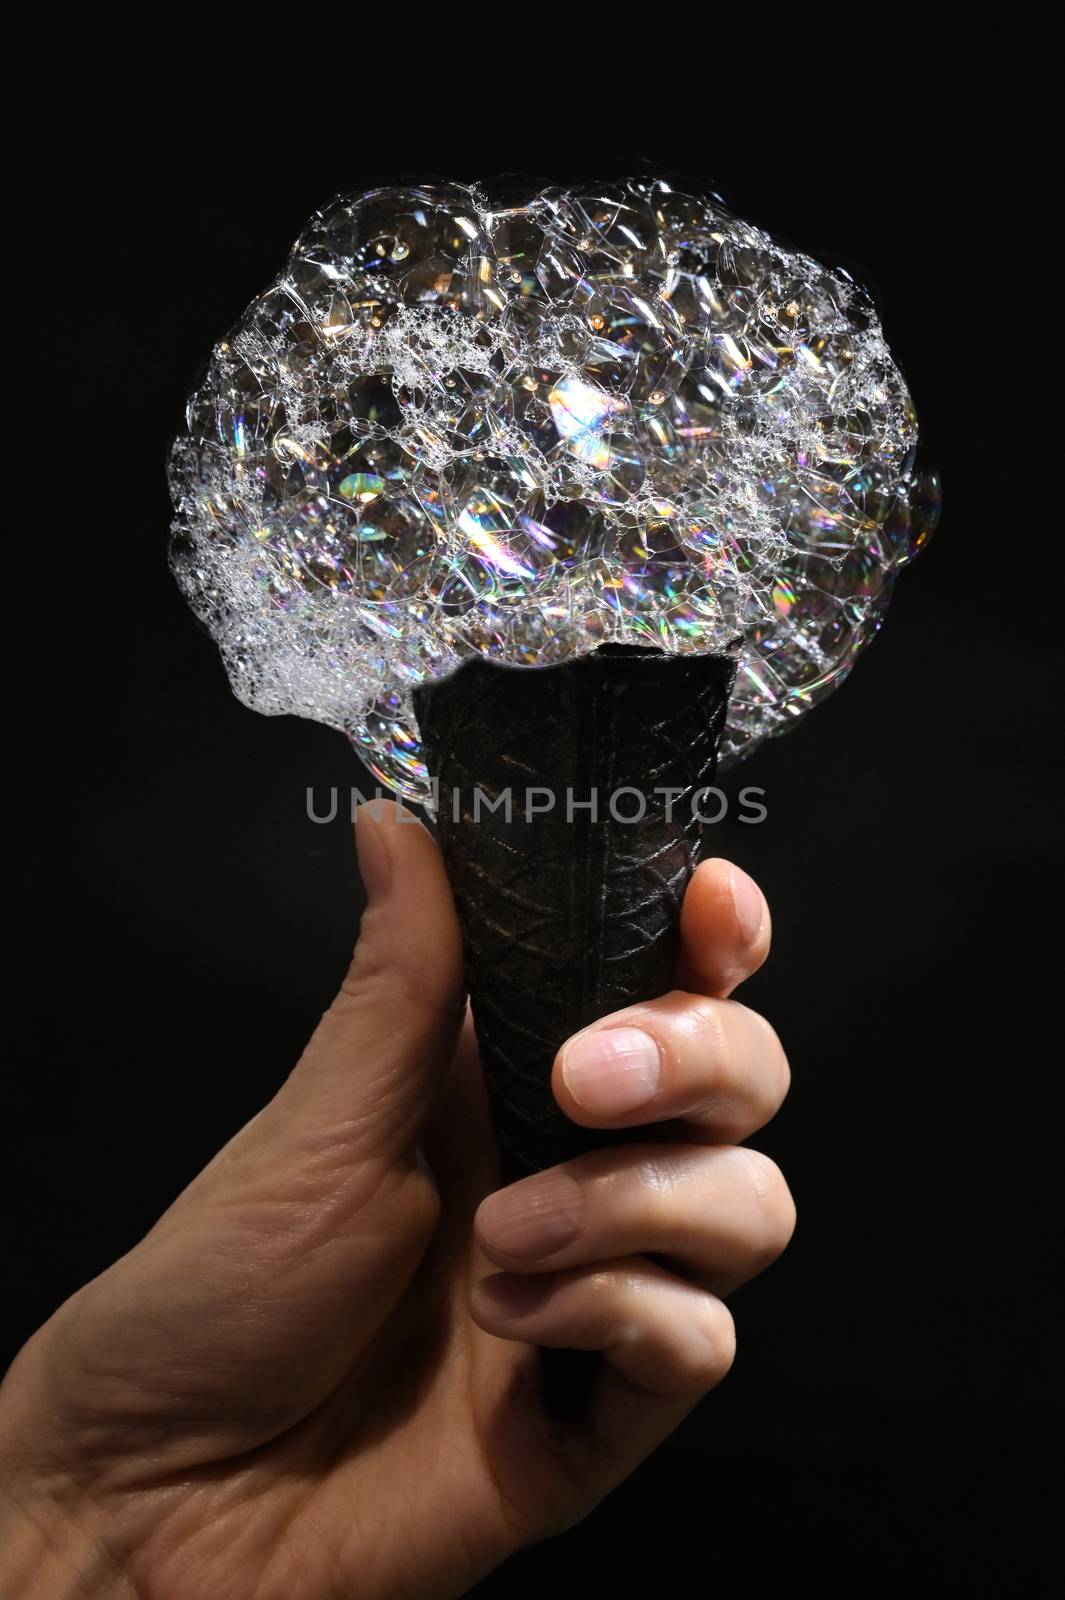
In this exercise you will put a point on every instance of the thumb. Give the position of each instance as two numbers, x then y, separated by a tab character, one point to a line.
285	1255
357	1101
378	1059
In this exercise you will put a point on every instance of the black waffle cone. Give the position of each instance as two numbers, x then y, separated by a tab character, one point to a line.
565	916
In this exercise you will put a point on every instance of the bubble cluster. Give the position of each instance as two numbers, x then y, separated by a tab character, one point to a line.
615	413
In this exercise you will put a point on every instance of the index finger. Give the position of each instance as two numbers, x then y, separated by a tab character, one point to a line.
725	929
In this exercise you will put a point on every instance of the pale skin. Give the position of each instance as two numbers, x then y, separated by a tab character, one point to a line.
317	1376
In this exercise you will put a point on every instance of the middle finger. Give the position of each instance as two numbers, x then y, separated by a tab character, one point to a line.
714	1063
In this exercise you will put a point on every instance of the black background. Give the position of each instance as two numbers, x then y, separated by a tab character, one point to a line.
180	924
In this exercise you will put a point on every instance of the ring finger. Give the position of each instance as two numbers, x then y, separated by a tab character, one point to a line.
720	1214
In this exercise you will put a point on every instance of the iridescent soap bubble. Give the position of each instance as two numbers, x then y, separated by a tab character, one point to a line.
522	427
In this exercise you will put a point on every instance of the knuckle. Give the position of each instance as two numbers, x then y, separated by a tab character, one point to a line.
661	1174
783	1073
370	967
776	1057
372	985
380	982
710	1348
603	1285
774	1205
704	1034
770	1078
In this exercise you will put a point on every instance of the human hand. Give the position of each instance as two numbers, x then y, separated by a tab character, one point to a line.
316	1375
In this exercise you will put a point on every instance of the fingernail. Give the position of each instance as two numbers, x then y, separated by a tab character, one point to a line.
533	1218
747	902
375	862
611	1070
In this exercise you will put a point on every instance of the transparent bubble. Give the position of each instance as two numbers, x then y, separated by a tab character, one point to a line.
524	425
386	738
